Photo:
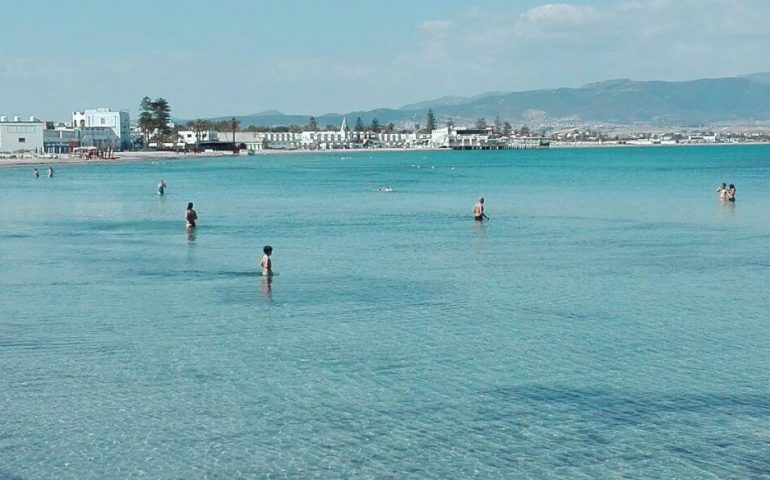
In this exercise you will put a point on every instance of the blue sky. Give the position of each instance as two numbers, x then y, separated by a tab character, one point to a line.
313	57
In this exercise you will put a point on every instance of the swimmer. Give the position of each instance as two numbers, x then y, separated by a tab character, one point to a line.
722	191
384	189
35	172
267	263
731	193
191	216
478	211
161	187
50	172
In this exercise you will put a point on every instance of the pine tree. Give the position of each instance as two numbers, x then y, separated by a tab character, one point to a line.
430	121
359	125
161	115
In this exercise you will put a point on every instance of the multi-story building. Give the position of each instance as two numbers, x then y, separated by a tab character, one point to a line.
101	118
21	135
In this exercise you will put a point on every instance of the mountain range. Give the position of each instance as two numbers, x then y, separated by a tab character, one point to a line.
621	102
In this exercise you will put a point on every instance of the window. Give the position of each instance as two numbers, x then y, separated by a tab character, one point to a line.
104	120
22	139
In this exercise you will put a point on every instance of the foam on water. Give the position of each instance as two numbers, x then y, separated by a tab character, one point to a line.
609	321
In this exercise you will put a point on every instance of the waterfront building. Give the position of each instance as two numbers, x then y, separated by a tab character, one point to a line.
480	139
118	122
61	140
190	137
20	135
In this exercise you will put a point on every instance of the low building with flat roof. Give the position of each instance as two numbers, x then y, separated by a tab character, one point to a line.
19	135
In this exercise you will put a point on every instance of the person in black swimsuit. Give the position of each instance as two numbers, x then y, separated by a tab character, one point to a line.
191	216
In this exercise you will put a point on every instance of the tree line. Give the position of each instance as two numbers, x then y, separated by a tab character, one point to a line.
155	120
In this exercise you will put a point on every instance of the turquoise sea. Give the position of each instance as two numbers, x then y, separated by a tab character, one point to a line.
609	321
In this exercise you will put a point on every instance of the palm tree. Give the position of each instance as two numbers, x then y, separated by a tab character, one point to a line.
234	124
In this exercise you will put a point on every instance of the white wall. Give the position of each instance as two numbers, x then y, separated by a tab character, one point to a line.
16	136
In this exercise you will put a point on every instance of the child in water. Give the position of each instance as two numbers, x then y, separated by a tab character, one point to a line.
267	264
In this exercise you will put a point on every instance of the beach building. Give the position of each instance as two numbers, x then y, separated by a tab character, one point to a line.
61	140
190	137
480	139
118	122
21	135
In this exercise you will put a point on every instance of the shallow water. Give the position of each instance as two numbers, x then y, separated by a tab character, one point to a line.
609	321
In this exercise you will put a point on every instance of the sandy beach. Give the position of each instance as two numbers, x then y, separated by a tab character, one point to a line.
28	159
12	160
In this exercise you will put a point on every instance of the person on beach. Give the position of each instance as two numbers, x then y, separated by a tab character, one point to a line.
731	193
478	211
722	191
50	172
35	172
191	216
161	187
267	263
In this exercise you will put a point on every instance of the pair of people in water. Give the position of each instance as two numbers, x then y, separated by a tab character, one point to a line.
36	172
191	216
726	193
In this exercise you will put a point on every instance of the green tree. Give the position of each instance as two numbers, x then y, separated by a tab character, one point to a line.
375	126
430	121
481	123
507	129
312	125
145	121
498	124
359	125
390	128
161	115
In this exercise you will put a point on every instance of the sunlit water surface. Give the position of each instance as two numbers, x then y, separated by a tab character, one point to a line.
609	321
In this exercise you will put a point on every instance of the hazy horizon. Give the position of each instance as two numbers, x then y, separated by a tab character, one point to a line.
245	57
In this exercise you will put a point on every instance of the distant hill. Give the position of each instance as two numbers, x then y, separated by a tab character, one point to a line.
625	102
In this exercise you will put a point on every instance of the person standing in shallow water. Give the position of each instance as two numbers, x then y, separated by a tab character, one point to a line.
36	172
478	211
267	263
50	172
161	187
191	216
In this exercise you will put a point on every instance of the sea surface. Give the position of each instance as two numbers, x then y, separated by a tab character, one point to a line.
610	320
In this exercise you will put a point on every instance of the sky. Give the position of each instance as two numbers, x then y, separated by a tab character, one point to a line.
310	57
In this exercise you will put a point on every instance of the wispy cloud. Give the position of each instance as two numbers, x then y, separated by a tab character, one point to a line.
435	26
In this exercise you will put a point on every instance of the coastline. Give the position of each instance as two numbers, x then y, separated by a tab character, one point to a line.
36	160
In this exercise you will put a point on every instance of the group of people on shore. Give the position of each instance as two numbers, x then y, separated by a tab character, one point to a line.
726	193
36	172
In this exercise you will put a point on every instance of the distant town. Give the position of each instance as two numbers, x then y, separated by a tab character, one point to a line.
100	132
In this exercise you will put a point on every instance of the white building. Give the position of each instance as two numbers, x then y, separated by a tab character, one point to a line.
17	135
118	122
189	137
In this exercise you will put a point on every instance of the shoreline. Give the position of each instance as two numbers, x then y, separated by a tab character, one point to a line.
36	160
